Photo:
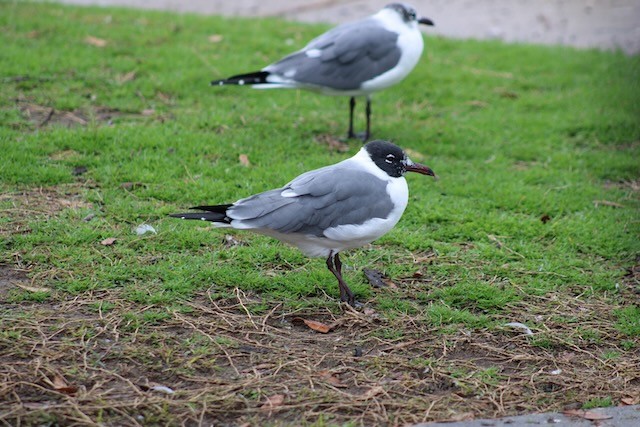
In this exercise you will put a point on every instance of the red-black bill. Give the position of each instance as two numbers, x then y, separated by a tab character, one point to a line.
421	169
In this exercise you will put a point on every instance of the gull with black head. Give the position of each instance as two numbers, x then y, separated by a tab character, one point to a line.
353	59
328	210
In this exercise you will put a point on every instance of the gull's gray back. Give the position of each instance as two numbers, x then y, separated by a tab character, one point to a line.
325	198
350	54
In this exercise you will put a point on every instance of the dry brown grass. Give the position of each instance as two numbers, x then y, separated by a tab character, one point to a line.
73	362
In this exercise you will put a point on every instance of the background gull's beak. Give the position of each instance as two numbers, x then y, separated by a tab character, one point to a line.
426	21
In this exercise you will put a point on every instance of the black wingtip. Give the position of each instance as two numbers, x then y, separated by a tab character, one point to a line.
202	216
213	208
248	79
216	213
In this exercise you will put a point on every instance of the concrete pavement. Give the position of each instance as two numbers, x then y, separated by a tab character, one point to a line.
604	24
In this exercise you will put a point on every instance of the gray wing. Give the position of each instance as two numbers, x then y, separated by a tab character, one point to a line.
316	201
350	54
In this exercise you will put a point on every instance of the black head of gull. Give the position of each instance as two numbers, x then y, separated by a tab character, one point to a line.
392	160
327	210
353	59
408	13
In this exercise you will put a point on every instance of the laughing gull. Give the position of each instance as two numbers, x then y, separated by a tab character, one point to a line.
353	59
328	210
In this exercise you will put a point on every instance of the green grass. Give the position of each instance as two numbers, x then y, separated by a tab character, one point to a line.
534	218
629	320
598	403
515	133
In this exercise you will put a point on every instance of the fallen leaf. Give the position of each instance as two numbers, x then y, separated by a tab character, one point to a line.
59	384
244	160
272	402
316	326
506	93
368	311
108	241
68	115
126	77
415	155
131	185
332	379
465	416
587	415
373	391
425	258
629	400
477	103
94	41
567	356
215	38
333	143
31	288
377	279
164	97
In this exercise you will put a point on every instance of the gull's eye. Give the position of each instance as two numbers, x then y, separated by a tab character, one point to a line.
390	158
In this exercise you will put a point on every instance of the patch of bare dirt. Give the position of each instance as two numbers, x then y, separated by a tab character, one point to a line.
10	278
631	185
42	116
332	143
23	206
216	362
631	280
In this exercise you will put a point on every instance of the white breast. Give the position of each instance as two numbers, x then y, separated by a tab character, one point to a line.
353	236
343	237
411	44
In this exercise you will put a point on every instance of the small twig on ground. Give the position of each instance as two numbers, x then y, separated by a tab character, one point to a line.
238	292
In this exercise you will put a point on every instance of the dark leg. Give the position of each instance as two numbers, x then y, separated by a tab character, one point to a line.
335	266
352	105
332	268
338	263
351	298
368	111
